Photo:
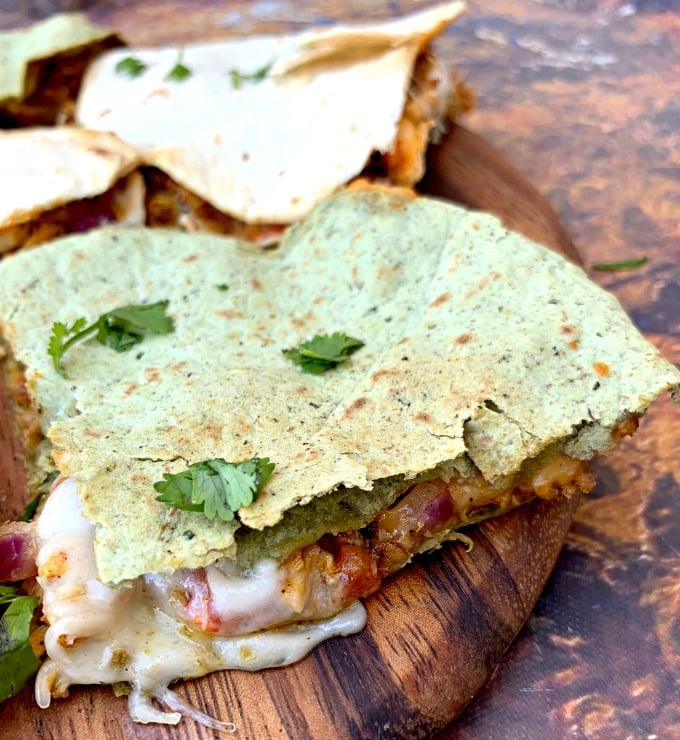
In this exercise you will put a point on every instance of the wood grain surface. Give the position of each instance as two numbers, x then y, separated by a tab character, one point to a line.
583	98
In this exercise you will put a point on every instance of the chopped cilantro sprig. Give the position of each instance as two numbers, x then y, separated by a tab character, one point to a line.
119	329
130	67
216	488
630	264
180	71
238	78
323	352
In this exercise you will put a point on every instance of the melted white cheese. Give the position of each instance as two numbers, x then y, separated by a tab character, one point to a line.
99	635
242	602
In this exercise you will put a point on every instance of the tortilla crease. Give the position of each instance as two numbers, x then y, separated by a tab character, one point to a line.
479	345
65	33
48	167
334	96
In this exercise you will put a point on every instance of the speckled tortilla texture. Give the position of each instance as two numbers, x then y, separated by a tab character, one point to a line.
58	34
477	342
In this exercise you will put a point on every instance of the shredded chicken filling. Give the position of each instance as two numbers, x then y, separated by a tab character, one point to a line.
434	99
320	579
169	204
51	88
123	204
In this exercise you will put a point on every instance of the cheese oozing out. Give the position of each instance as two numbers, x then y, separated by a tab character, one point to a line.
131	634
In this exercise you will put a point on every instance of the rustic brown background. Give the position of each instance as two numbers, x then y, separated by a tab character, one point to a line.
584	97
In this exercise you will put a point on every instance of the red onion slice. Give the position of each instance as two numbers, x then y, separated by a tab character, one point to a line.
18	550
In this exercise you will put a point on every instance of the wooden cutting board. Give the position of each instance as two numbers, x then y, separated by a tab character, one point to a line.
435	631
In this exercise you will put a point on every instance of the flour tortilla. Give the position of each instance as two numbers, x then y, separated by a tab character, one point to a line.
266	151
48	167
479	346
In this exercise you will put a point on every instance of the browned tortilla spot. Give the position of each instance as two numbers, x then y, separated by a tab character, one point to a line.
601	368
441	299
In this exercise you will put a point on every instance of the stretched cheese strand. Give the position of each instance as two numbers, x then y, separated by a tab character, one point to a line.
99	635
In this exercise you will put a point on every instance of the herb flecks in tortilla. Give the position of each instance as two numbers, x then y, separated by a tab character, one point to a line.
180	71
18	662
119	329
630	264
323	352
131	67
238	78
216	488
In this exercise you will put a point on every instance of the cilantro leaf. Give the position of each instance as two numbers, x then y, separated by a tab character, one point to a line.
131	67
215	487
119	329
59	341
126	326
622	265
323	352
177	489
238	78
17	659
7	593
179	72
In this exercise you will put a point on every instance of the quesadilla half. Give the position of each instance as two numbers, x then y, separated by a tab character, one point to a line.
466	370
43	65
65	179
256	131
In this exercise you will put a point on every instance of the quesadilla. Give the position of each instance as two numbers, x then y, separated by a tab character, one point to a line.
465	370
256	131
43	65
65	179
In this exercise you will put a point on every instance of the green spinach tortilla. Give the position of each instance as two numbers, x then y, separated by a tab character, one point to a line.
481	349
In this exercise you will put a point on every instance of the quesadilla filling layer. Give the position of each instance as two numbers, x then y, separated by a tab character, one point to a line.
319	579
122	204
51	85
145	634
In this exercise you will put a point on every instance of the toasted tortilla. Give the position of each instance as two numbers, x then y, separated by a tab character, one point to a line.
265	127
42	66
481	348
51	167
48	167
